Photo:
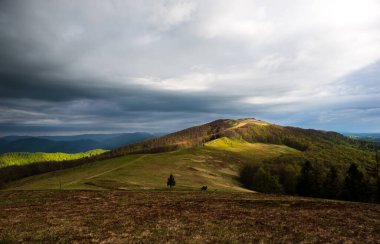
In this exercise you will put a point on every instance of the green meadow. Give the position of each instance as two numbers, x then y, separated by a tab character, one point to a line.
21	158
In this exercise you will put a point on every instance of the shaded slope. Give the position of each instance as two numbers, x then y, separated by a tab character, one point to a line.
191	137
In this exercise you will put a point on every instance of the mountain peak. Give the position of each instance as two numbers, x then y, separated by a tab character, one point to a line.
250	121
248	129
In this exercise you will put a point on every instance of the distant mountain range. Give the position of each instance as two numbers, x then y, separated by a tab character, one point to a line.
70	144
372	137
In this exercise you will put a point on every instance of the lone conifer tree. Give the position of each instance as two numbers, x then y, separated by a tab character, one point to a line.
171	181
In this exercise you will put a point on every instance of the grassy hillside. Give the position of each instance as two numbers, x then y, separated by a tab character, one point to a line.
209	154
324	149
252	151
21	158
216	164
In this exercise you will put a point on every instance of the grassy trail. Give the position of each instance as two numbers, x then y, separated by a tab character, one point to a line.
117	168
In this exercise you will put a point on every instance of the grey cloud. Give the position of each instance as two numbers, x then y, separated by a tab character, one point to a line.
127	65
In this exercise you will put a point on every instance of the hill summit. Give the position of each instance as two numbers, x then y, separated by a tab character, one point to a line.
250	130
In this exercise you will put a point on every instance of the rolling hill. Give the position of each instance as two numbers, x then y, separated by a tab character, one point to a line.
209	165
211	154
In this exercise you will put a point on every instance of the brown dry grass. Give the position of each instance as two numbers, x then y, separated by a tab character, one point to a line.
177	217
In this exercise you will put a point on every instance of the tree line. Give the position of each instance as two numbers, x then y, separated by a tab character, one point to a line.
353	184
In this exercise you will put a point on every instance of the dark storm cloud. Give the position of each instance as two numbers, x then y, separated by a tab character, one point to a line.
27	86
77	66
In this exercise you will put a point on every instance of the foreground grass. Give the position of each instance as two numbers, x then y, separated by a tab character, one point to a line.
178	217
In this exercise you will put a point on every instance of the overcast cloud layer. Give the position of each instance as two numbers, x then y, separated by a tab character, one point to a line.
69	67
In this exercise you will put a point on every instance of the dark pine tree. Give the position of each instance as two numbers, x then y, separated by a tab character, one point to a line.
263	181
332	186
305	183
377	176
354	184
171	181
246	175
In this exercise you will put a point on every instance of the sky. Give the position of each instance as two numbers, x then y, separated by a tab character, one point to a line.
98	66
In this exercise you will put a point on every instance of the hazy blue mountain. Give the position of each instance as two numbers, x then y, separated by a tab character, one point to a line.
14	138
372	137
2	142
125	139
70	144
95	137
44	145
